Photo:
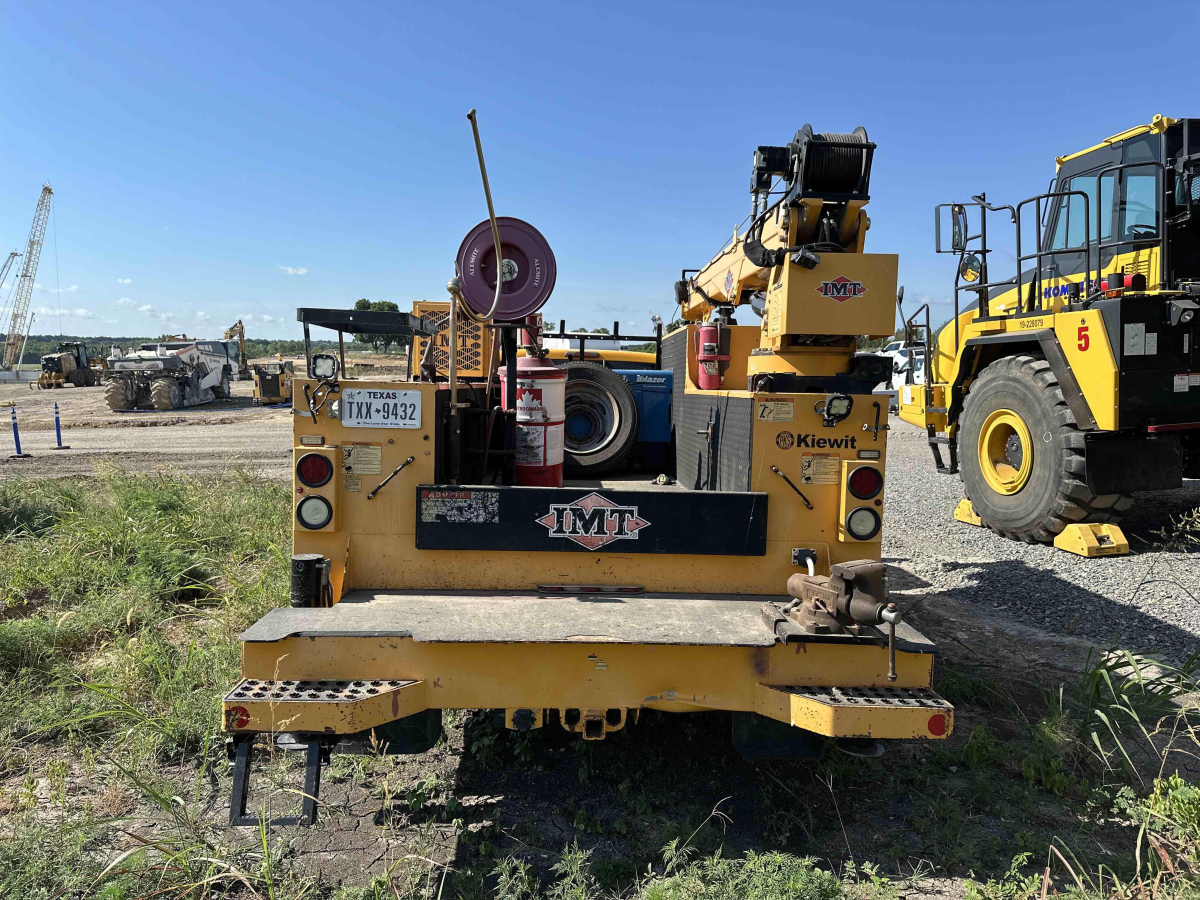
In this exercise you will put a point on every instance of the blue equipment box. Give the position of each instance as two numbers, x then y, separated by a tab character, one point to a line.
652	392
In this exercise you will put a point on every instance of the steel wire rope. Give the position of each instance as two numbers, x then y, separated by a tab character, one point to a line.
57	282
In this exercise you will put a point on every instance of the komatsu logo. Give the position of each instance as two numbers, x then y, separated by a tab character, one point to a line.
593	521
841	289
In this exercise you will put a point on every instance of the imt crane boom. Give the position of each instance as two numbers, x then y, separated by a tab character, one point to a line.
33	252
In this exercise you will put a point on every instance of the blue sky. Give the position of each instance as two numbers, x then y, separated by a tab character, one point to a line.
214	161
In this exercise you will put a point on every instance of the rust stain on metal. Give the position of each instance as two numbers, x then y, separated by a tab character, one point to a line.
760	661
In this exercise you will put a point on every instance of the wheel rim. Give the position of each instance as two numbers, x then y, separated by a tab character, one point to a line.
1005	452
592	418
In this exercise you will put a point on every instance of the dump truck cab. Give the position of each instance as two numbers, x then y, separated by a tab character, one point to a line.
428	572
1098	319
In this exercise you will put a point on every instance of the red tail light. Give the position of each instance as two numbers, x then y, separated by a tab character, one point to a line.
314	470
865	482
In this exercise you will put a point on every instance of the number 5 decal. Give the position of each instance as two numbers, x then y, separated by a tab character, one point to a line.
1084	340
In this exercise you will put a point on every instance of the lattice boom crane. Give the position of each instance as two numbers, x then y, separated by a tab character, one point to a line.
33	251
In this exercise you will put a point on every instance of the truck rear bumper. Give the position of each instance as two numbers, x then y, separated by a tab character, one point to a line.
377	657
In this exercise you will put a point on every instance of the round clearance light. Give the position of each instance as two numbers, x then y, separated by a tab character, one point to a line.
865	482
863	523
314	470
315	512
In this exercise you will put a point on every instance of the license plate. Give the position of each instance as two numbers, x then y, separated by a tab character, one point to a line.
368	408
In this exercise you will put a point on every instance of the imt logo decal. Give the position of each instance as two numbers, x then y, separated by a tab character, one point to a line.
593	521
841	289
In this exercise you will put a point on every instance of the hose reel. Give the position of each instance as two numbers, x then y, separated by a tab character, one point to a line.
528	269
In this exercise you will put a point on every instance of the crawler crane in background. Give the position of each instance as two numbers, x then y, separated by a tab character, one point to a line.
18	323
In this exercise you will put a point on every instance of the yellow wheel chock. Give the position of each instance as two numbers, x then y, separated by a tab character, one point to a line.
1092	540
1081	539
965	512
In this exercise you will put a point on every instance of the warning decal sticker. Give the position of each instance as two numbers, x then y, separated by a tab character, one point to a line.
460	507
820	468
776	409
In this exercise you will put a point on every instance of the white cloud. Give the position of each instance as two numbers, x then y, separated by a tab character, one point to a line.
124	281
268	320
202	316
80	313
292	270
67	290
150	311
124	301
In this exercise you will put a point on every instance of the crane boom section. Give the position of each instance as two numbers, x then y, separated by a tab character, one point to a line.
33	252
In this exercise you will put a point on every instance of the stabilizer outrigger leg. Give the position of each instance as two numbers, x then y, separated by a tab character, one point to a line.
241	752
951	445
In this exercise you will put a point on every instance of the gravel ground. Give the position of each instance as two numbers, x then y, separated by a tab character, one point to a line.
1148	600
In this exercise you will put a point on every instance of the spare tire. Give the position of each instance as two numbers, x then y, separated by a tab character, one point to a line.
601	421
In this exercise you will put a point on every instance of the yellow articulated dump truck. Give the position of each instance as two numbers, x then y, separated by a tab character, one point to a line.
443	561
1070	382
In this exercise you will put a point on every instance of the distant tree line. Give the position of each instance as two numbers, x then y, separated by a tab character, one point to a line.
41	344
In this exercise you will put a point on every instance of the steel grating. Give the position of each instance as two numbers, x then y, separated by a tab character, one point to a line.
895	698
322	691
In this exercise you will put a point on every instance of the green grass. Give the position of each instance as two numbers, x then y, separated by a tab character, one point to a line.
121	598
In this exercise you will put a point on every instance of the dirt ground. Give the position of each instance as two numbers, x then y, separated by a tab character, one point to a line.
198	439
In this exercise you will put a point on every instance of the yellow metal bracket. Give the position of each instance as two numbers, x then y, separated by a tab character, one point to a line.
1092	540
965	512
896	713
324	707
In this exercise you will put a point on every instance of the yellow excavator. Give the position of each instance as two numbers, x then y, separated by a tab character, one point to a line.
238	332
1067	384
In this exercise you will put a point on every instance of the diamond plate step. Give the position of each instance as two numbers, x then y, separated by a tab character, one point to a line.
328	707
873	712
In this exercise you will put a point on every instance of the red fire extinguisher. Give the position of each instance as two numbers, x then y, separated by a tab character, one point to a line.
712	359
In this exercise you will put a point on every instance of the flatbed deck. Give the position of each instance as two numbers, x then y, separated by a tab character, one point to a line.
487	617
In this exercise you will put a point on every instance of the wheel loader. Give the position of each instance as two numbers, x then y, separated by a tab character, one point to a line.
1070	382
429	573
70	365
169	375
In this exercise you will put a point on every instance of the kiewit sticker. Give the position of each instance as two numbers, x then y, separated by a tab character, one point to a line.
820	468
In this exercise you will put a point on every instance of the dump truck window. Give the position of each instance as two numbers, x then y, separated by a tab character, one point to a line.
1139	205
1071	227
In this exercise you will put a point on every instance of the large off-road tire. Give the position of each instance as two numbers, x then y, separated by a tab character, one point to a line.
1022	455
222	390
114	395
165	394
601	420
